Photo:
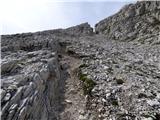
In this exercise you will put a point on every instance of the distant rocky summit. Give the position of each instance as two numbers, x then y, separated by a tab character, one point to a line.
78	74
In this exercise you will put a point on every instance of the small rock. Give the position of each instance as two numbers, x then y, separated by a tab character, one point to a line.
158	95
22	113
44	74
17	96
3	93
11	114
94	105
104	100
82	112
7	97
29	90
64	66
108	94
153	102
81	117
149	118
14	106
8	66
68	101
39	82
12	87
119	80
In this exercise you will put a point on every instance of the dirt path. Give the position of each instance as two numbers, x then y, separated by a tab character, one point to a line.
74	100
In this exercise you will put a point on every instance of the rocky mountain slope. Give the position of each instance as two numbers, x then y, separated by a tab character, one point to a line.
77	74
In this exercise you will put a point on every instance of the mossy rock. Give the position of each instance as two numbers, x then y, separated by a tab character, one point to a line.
83	77
88	84
119	79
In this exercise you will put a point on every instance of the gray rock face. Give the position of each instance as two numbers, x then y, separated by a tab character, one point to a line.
27	86
139	20
119	71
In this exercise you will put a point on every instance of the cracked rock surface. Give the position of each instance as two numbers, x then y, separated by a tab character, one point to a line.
77	74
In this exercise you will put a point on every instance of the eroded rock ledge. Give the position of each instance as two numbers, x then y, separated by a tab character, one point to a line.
31	73
30	89
119	70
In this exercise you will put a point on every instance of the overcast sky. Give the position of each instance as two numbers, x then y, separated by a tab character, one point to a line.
17	16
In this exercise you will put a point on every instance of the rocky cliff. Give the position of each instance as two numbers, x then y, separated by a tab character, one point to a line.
140	20
77	74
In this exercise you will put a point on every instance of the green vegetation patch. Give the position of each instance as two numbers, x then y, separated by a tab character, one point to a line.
88	84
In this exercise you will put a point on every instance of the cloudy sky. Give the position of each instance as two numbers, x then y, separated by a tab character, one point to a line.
19	16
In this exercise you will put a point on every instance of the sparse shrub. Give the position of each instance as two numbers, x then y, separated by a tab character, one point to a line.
82	77
88	84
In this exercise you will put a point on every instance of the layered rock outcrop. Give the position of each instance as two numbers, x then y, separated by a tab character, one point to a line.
31	88
118	77
140	20
31	73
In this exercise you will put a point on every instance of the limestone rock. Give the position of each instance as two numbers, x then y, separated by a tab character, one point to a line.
119	64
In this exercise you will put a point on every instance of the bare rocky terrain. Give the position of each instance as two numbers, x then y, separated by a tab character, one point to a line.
78	74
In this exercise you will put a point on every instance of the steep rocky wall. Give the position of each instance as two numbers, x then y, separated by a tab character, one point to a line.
132	22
